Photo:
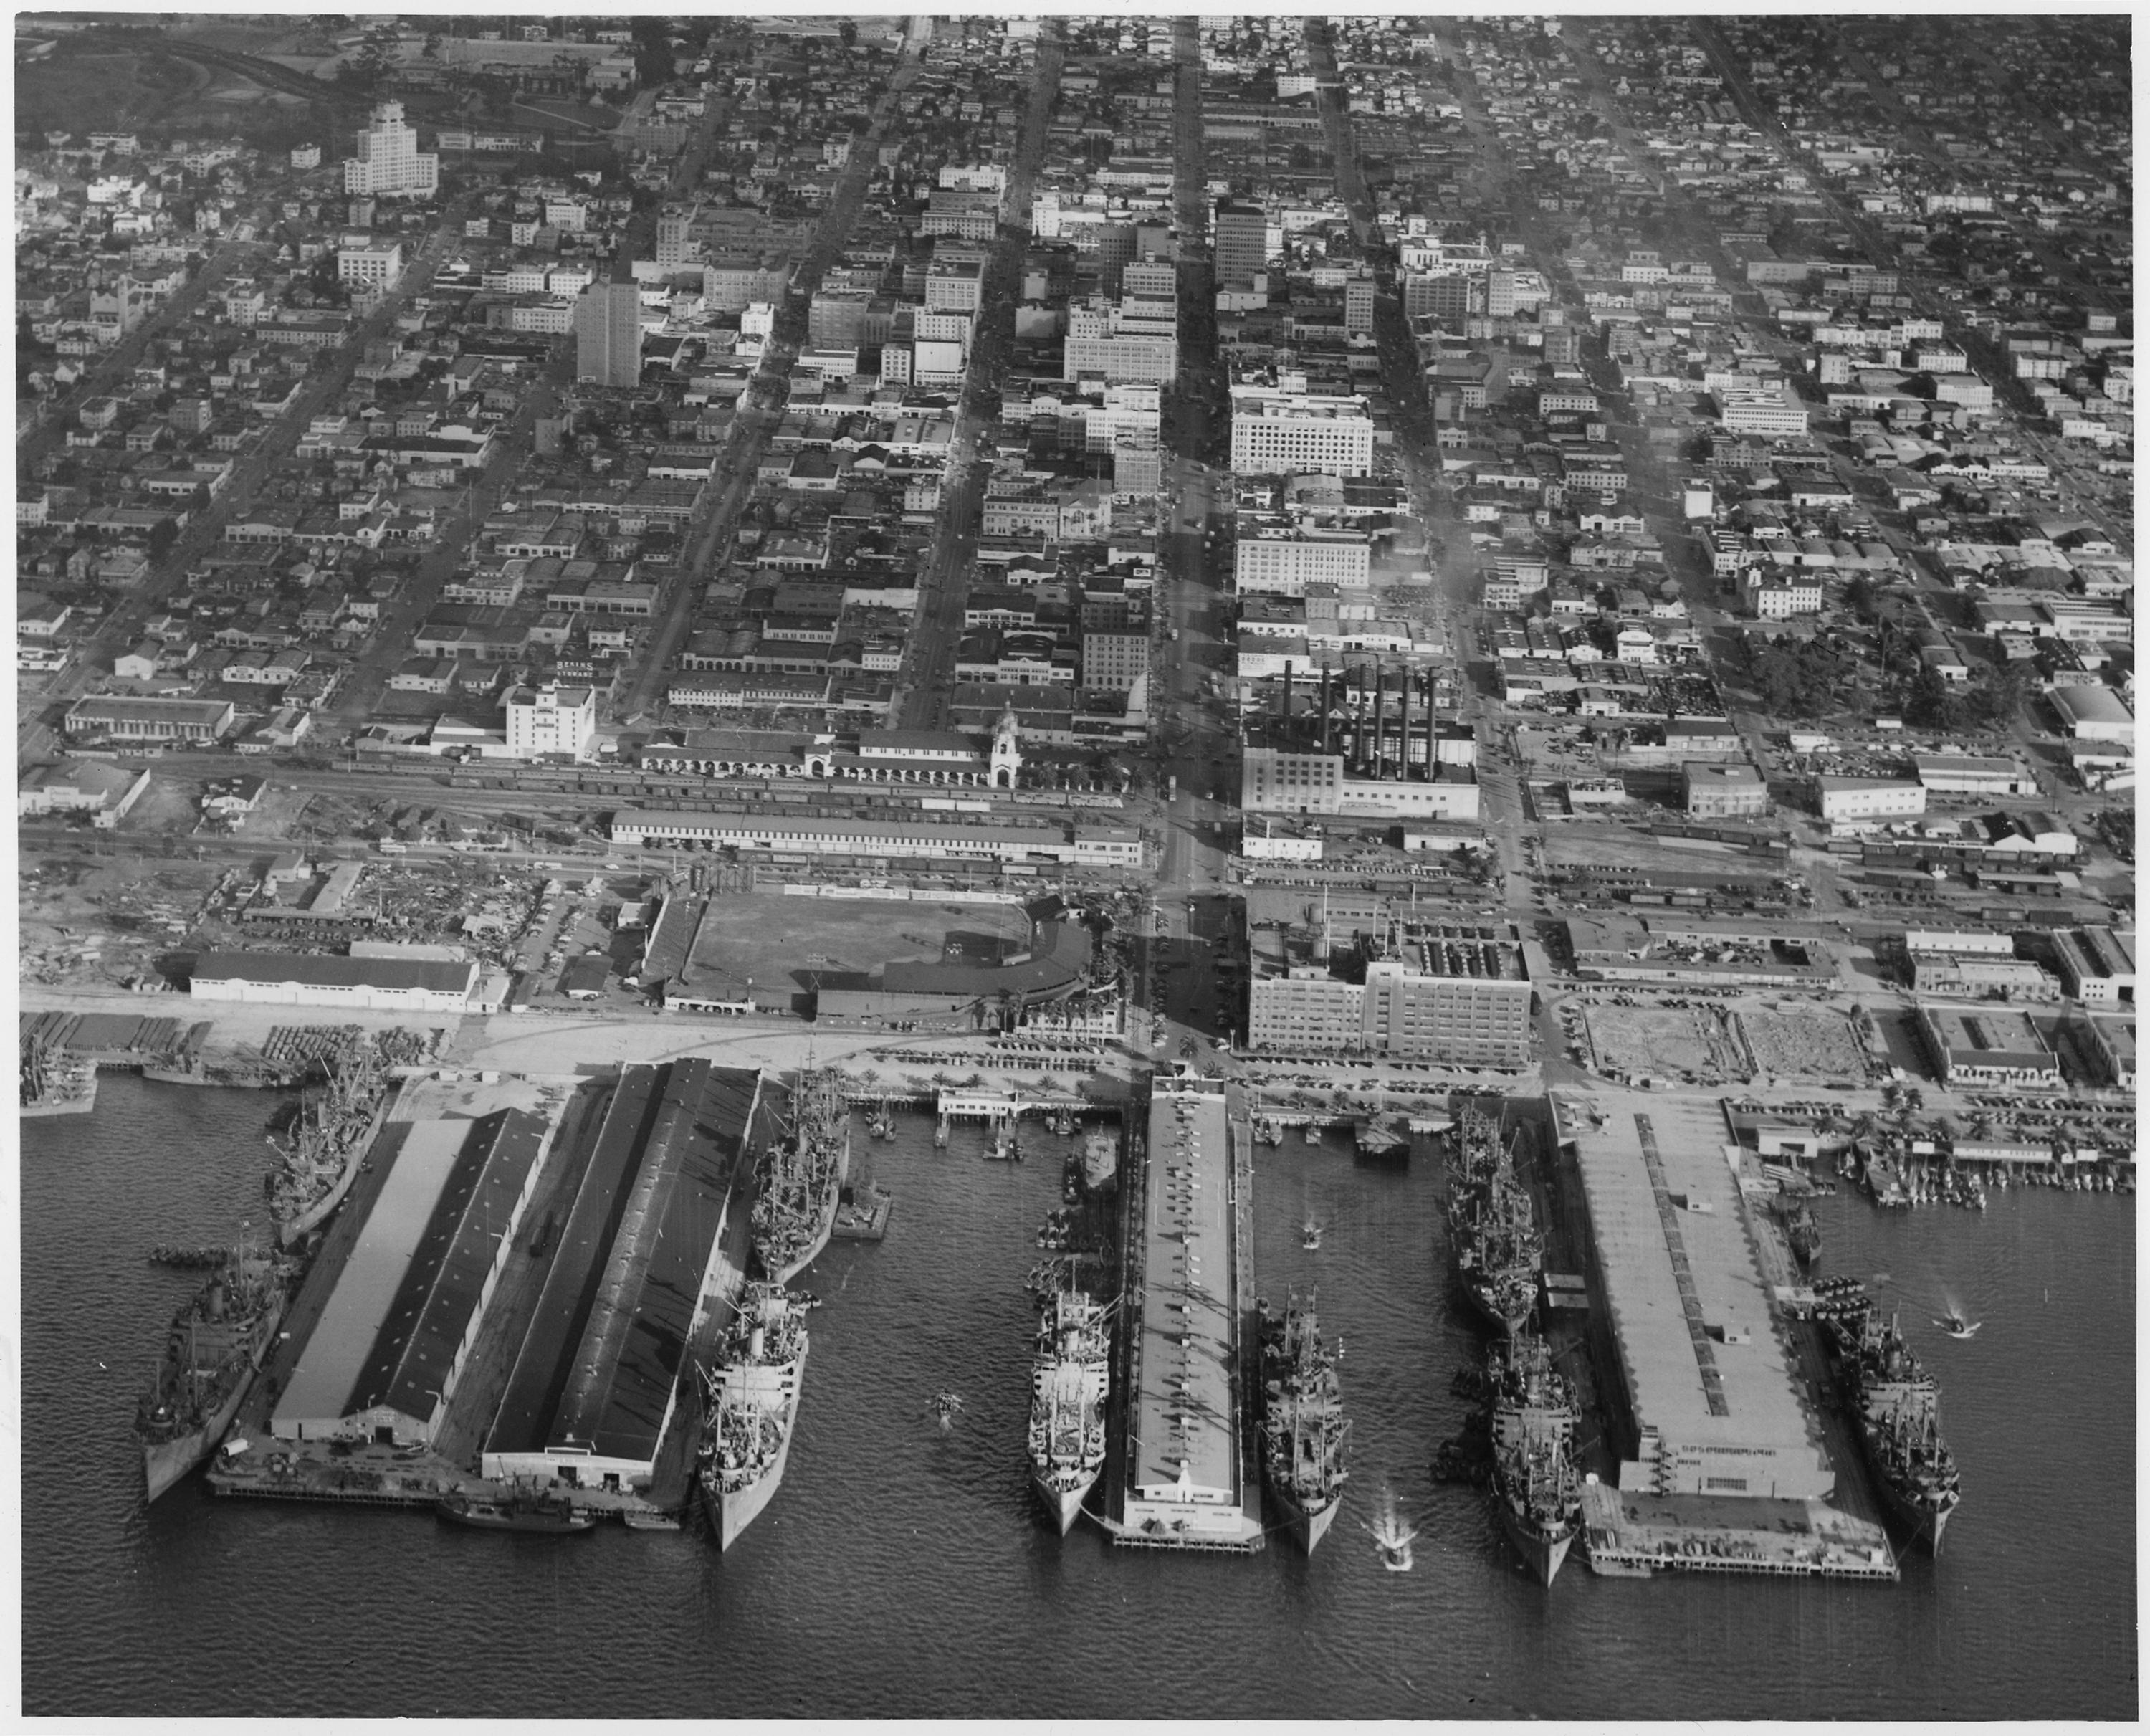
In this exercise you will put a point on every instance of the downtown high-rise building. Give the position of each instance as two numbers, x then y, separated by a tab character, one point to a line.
388	161
608	335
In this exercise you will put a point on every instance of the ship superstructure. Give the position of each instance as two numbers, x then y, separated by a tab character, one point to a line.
216	1345
1536	1485
1498	1249
1071	1372
749	1403
1898	1408
800	1178
1303	1422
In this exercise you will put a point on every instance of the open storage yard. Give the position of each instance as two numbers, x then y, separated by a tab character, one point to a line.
1658	1043
1814	1042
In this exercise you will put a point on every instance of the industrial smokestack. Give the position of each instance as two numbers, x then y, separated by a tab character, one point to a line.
1380	719
1287	702
1403	730
1428	726
1359	721
1325	708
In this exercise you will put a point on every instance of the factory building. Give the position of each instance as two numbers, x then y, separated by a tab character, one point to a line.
126	719
657	1236
2097	965
298	979
391	1342
1187	1482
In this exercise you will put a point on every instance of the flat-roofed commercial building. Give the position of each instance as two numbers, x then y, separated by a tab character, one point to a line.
150	719
1285	566
384	1358
1187	1480
840	837
1862	801
1986	1047
655	1238
1460	997
1712	791
300	979
1287	433
1713	1403
2097	965
1972	774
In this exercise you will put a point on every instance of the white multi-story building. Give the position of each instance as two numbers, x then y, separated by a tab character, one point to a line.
1774	415
1858	801
1285	566
389	160
1283	433
551	720
374	263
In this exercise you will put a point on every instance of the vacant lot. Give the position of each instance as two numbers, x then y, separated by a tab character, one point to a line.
773	938
1653	1042
1813	1043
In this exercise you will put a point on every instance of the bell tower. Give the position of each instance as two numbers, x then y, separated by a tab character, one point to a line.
1006	757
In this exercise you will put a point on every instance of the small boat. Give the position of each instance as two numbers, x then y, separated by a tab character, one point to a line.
1063	1124
1956	1326
946	1405
553	1514
1312	1135
882	1123
941	1134
1392	1535
1309	1238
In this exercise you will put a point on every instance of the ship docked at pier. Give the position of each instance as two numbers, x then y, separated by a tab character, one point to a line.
800	1179
321	1145
1897	1407
1498	1249
1537	1488
1303	1422
1069	1377
749	1403
214	1349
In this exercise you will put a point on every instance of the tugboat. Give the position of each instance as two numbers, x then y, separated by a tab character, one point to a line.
215	1346
1956	1326
941	1134
1312	1133
1006	1149
1303	1425
750	1402
1310	1236
523	1511
1536	1485
1063	1123
882	1123
1069	1377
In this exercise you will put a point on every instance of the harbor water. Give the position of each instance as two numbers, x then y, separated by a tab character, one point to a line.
903	1570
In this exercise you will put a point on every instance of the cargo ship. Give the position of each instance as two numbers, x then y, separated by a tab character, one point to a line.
750	1402
214	1349
1069	1377
1498	1249
1303	1422
321	1146
1898	1408
1536	1486
1803	1233
800	1179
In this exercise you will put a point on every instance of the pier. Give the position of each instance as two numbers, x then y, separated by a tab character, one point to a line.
1185	1477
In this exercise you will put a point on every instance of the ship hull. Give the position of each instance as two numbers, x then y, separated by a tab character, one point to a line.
1305	1525
530	1522
1921	1526
1542	1551
731	1510
824	1225
1508	1324
166	1462
1064	1503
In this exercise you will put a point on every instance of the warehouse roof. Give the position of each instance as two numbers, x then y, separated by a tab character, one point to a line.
322	970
